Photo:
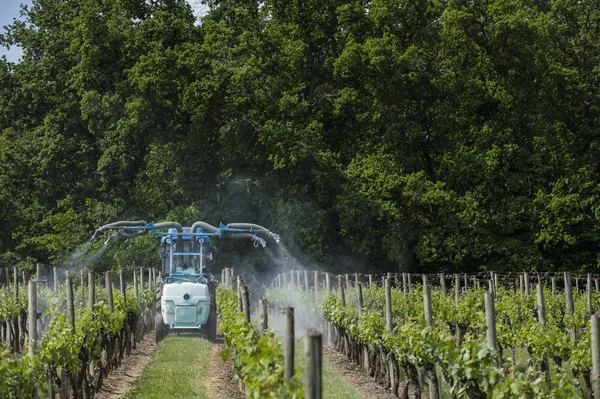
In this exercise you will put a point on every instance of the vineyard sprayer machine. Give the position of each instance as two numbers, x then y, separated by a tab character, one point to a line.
186	295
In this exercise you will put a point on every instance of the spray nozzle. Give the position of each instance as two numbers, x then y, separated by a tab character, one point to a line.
257	240
110	237
275	237
98	231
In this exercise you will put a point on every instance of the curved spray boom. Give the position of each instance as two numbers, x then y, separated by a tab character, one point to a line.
132	229
200	232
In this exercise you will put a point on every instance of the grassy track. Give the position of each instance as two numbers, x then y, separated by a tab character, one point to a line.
177	370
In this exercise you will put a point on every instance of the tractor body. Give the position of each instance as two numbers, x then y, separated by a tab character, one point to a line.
185	292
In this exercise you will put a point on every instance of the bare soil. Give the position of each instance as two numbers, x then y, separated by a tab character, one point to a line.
220	382
359	380
119	381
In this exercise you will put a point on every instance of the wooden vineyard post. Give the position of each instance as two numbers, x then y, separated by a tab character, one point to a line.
404	283
239	294
70	302
490	322
347	281
370	280
306	280
316	282
341	291
434	388
456	288
109	293
65	381
298	279
264	315
456	301
24	279
427	301
521	284
91	291
135	283
466	282
343	303
526	283
495	283
577	284
553	280
329	326
81	286
7	277
595	336
390	328
18	331
141	279
589	293
123	285
355	279
149	279
38	272
313	348
288	370
569	300
32	318
32	323
365	348
292	278
542	320
443	283
409	280
541	305
359	293
246	303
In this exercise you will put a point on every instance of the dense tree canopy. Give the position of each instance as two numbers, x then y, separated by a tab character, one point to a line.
429	135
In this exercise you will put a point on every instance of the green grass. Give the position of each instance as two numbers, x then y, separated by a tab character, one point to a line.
177	370
335	386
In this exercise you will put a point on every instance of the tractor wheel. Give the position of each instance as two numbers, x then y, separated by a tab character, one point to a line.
211	324
160	329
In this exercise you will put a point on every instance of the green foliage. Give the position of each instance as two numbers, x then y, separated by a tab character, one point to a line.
258	359
436	135
61	345
471	366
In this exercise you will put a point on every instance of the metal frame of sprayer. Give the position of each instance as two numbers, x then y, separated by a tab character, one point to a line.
202	231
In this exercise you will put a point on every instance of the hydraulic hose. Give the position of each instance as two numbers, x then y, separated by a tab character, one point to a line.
118	225
209	228
254	228
247	226
165	225
257	240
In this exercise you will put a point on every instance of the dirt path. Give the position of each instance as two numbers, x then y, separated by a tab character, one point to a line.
220	382
118	382
361	381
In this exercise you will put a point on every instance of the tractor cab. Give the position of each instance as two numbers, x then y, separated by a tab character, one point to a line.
185	255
